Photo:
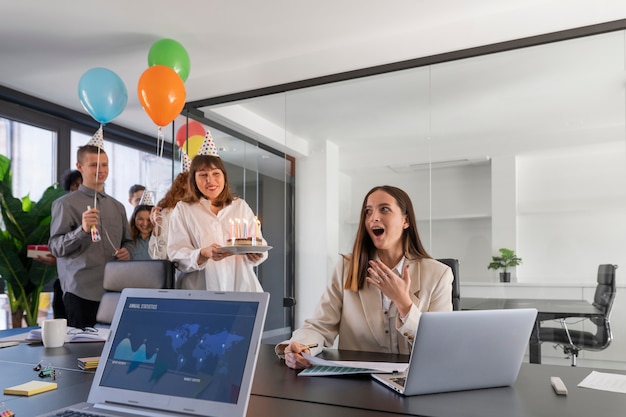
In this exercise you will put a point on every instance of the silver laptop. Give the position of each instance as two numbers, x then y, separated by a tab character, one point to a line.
179	352
463	350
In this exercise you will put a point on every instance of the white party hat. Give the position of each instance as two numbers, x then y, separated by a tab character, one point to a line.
97	139
186	162
146	199
208	146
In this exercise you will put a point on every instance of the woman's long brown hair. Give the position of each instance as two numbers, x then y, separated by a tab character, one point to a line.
364	249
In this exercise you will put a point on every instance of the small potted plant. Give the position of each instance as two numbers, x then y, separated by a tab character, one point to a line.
507	259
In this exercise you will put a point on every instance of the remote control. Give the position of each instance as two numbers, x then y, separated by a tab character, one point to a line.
558	385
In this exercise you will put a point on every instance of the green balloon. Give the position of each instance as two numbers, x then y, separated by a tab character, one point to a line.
172	54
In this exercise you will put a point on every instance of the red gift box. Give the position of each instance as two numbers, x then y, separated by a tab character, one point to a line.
37	250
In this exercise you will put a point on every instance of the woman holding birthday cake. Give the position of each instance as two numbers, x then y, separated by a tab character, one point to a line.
208	220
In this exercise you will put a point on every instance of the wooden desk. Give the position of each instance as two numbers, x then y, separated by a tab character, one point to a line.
547	310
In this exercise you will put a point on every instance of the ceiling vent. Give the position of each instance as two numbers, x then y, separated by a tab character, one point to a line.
403	169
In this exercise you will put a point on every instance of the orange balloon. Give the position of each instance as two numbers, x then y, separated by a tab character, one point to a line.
192	145
161	93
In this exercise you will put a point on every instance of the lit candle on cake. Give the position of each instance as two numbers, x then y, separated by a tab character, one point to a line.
245	228
232	229
238	234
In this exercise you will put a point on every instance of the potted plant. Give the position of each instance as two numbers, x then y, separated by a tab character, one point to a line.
507	259
24	222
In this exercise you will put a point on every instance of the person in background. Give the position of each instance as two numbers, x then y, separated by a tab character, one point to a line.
377	294
70	181
80	257
200	225
140	230
161	213
135	192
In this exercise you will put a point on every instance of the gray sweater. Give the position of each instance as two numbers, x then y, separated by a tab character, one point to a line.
80	262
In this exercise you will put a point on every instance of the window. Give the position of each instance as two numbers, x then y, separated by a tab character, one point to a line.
33	172
129	166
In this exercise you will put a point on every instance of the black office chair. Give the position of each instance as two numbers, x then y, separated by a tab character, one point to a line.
456	285
573	341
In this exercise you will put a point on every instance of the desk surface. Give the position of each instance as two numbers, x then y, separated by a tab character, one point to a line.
552	308
279	389
531	395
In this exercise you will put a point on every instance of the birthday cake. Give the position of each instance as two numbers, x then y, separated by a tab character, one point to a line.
245	241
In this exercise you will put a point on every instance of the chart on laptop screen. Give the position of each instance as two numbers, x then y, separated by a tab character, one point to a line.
195	348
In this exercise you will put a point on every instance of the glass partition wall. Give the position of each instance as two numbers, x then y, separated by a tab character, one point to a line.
523	149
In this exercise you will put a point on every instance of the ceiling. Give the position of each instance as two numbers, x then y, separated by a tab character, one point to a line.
237	46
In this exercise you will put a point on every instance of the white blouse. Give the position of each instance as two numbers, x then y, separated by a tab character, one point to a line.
157	247
193	227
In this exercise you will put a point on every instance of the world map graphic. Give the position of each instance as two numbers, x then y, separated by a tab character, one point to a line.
192	346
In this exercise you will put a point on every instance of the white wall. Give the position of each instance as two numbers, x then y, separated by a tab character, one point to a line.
317	214
562	237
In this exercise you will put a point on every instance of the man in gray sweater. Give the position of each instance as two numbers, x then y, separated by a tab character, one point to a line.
88	229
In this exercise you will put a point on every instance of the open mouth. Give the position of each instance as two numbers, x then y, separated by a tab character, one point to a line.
377	231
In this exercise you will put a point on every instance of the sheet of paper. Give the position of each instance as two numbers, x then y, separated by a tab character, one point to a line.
604	382
322	367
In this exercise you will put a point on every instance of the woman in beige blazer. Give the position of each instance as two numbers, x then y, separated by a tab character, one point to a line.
377	294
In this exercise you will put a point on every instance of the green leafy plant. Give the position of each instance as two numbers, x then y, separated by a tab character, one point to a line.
25	222
507	259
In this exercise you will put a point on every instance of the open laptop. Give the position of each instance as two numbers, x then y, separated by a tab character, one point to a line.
463	350
178	352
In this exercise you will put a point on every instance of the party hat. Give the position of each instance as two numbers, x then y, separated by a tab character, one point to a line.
97	139
146	199
208	146
186	162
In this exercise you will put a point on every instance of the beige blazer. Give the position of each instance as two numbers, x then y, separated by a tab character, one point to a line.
358	319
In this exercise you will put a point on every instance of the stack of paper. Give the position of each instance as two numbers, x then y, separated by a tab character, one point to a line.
30	388
321	367
89	363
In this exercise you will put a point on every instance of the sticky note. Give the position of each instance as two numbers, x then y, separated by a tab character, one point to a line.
30	388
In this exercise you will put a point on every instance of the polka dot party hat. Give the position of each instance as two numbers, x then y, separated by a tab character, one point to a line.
97	139
146	199
186	162
208	146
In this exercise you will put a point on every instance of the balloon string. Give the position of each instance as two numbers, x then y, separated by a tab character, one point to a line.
160	142
95	194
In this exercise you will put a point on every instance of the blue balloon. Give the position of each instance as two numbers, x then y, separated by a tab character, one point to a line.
102	93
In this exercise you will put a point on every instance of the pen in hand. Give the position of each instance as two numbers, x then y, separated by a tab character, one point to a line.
310	346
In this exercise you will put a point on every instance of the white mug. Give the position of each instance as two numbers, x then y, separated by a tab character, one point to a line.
53	332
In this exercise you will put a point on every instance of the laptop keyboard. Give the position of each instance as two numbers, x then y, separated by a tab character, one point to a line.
72	413
401	380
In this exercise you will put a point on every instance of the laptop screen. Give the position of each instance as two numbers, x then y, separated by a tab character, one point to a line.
181	351
195	349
